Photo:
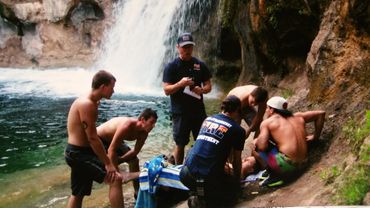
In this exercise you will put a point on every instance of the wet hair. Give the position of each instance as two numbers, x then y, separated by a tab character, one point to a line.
230	104
102	77
148	113
260	94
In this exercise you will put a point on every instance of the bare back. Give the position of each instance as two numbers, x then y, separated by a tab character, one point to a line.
126	125
75	124
289	135
243	92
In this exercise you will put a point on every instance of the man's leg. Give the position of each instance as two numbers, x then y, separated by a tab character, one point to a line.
262	164
248	166
75	201
115	194
181	133
135	168
179	154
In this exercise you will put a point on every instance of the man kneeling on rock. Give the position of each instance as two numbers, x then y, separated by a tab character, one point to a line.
282	142
204	169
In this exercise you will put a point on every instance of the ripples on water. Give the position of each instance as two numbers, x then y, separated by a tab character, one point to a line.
33	129
33	137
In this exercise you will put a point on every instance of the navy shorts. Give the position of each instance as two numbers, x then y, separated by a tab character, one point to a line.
85	168
182	125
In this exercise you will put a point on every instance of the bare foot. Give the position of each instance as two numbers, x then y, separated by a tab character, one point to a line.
127	176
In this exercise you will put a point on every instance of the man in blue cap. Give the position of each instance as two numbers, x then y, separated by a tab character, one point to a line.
186	79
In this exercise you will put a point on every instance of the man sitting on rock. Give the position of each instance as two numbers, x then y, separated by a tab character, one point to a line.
282	142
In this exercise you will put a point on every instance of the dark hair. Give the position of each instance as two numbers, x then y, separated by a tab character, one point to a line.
283	113
230	104
260	94
102	77
147	113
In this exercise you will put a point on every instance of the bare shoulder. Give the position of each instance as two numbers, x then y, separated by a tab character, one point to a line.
83	102
125	122
242	91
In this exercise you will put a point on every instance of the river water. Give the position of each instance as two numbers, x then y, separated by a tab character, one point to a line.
33	112
33	115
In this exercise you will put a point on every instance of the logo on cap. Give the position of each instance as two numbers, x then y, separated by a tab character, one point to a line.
185	39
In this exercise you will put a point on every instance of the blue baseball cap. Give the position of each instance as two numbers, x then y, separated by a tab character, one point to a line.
185	39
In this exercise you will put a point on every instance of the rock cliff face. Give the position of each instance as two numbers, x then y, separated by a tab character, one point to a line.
316	53
51	33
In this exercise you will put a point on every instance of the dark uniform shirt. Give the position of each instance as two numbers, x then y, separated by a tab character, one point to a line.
218	135
174	71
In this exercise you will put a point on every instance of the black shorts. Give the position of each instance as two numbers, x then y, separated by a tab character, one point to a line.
121	150
182	125
85	168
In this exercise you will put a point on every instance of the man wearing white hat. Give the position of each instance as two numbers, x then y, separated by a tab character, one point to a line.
282	142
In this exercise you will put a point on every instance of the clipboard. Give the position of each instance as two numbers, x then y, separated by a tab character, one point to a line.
191	93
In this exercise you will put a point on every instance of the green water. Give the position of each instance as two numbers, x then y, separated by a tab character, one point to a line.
33	135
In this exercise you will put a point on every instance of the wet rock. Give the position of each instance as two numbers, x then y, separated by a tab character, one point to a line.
86	11
7	31
32	44
57	10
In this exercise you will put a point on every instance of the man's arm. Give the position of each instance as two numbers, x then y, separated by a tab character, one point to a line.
257	119
262	140
206	88
313	116
237	163
170	88
88	115
121	132
133	152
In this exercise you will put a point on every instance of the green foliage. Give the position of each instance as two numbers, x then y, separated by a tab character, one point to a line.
329	175
276	7
356	132
228	10
354	183
287	92
355	186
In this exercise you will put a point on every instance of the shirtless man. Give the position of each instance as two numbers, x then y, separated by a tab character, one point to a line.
282	142
118	129
85	153
251	96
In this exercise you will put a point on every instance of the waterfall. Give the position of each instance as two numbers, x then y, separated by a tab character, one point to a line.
135	46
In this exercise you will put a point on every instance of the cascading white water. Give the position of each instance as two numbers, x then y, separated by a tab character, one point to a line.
134	47
134	51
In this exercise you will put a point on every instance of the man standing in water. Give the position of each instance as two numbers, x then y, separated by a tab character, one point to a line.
85	153
118	129
186	79
251	96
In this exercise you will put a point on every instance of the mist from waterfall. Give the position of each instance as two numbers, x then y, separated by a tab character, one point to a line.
135	45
